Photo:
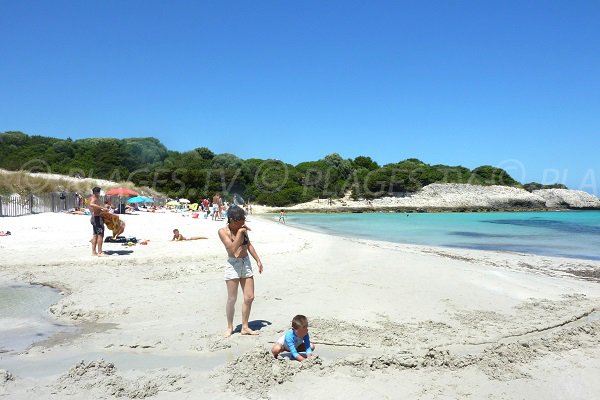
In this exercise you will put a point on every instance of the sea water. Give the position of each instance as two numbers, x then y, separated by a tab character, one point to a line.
25	318
573	234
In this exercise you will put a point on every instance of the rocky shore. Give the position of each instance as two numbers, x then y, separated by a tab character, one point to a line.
440	197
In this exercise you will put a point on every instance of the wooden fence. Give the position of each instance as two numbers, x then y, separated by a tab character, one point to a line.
14	205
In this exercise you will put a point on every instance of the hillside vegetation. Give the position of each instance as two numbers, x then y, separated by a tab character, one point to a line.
146	162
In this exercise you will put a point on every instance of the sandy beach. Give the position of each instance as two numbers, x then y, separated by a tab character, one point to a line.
388	320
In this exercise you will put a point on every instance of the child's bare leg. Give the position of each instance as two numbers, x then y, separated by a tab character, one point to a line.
302	347
247	285
232	289
276	349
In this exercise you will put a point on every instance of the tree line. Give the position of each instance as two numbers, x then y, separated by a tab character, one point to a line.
200	173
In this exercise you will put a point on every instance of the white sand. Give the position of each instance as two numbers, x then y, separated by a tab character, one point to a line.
389	320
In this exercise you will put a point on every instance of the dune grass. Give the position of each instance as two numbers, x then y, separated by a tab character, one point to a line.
25	183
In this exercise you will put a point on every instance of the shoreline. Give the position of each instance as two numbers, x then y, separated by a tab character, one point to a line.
407	311
412	210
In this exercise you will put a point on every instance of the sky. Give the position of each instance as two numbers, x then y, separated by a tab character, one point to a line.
514	84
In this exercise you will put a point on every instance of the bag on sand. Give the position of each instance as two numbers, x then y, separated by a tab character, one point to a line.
120	239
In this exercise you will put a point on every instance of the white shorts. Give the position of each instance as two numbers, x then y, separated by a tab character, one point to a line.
281	341
237	268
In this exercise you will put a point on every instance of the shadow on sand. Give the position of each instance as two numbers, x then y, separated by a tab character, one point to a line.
256	325
118	252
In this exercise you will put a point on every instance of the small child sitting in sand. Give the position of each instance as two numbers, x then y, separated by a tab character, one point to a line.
295	340
179	236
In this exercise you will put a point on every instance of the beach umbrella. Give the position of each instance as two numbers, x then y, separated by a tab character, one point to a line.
194	206
121	192
140	199
173	203
184	201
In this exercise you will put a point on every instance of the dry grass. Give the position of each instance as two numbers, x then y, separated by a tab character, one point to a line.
25	183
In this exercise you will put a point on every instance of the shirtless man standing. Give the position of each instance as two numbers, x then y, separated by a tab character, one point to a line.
97	222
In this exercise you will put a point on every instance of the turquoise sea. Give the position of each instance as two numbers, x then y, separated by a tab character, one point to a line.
574	234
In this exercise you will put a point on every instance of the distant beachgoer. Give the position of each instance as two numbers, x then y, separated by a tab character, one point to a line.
97	222
238	270
295	340
78	202
178	236
7	233
282	217
217	203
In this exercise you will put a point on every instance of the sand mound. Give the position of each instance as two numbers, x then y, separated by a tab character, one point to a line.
5	376
385	333
101	377
502	362
255	372
69	310
499	361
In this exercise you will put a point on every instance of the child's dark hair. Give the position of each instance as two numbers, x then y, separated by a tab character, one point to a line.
299	321
235	213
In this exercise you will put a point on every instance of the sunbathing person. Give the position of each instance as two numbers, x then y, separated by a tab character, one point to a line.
178	236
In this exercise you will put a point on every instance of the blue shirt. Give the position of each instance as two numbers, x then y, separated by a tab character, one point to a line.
291	340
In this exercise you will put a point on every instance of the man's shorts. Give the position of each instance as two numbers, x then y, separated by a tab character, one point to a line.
237	268
97	225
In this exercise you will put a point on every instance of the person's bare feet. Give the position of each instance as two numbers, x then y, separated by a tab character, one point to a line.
228	332
102	254
248	331
94	254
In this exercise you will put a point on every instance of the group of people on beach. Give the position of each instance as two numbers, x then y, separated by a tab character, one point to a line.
238	272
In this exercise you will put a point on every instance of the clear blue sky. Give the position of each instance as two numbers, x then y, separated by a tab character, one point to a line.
514	84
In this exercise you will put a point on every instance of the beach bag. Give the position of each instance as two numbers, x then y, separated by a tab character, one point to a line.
120	239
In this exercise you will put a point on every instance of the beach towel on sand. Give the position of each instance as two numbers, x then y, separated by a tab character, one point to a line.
114	223
120	239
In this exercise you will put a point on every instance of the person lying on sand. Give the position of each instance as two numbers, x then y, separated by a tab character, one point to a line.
7	233
295	340
178	236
